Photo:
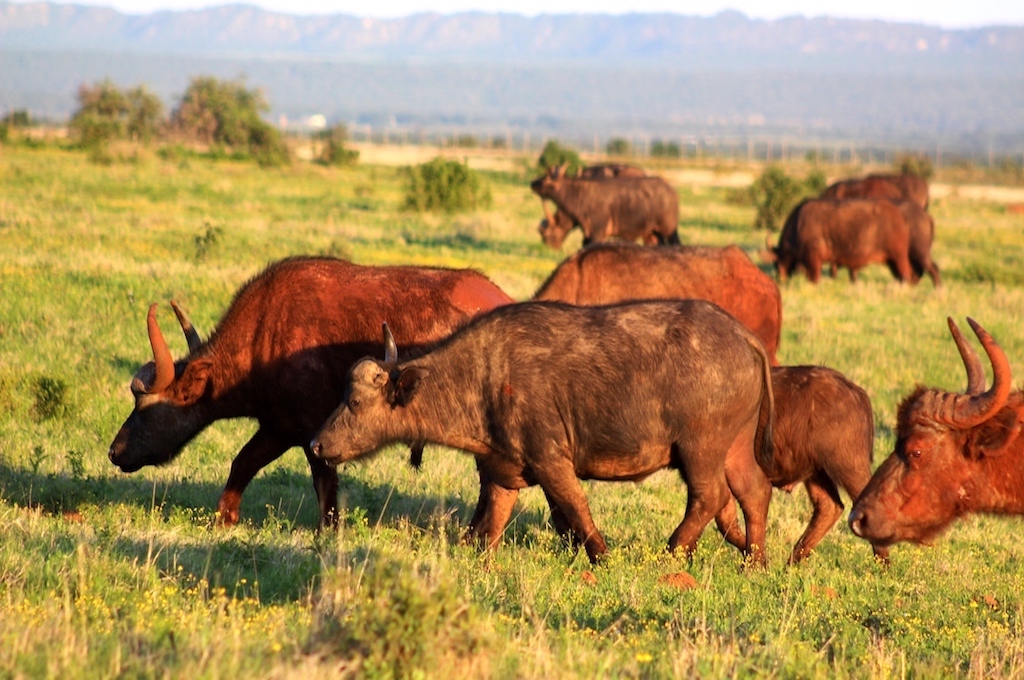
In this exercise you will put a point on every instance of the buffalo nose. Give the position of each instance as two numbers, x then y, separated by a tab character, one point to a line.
857	521
110	454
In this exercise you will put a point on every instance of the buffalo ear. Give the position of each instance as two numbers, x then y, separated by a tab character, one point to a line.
406	384
192	384
994	437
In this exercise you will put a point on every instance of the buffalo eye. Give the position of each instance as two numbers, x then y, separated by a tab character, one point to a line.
353	404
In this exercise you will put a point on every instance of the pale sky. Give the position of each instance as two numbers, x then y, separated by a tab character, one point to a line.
945	13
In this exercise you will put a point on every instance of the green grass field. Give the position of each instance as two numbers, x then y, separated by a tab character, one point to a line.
105	574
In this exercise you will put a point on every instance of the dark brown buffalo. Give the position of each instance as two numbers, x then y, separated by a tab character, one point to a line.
852	234
824	436
606	170
955	454
548	393
628	208
922	234
614	272
279	355
897	187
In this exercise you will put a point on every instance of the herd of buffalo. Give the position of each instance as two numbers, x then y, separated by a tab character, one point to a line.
629	359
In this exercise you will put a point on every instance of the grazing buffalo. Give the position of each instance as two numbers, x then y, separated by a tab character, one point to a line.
279	355
607	170
922	233
824	436
624	207
548	393
899	187
851	234
614	272
955	454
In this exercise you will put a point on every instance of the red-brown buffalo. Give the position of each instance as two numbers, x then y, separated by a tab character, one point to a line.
548	393
852	234
955	454
623	207
279	356
824	435
897	187
615	272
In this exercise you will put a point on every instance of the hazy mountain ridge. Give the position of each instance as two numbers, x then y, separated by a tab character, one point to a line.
650	38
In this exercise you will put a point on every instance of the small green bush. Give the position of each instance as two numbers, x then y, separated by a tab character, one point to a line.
397	619
333	150
206	242
914	164
444	186
49	398
774	194
555	155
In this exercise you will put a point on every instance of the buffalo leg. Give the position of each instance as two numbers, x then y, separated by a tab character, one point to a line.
827	509
563	490
729	526
493	510
561	522
257	453
325	481
753	491
707	493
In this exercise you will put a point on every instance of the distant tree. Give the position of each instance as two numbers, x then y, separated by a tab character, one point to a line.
618	147
914	164
660	149
226	113
18	118
105	113
466	142
102	114
145	114
555	155
333	150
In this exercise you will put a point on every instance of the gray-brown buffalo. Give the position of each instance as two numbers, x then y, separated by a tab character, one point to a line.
955	454
614	272
852	234
548	393
628	208
824	436
279	356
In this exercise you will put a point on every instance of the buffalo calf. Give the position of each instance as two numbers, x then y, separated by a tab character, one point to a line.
824	437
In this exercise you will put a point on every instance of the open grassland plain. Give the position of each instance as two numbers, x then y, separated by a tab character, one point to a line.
106	574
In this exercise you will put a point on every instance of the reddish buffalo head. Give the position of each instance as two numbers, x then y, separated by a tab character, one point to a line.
168	402
955	454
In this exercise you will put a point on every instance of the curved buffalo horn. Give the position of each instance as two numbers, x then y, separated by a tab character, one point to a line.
768	241
547	213
390	348
969	410
975	371
191	336
161	355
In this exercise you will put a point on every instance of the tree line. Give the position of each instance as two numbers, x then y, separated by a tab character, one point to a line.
220	117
